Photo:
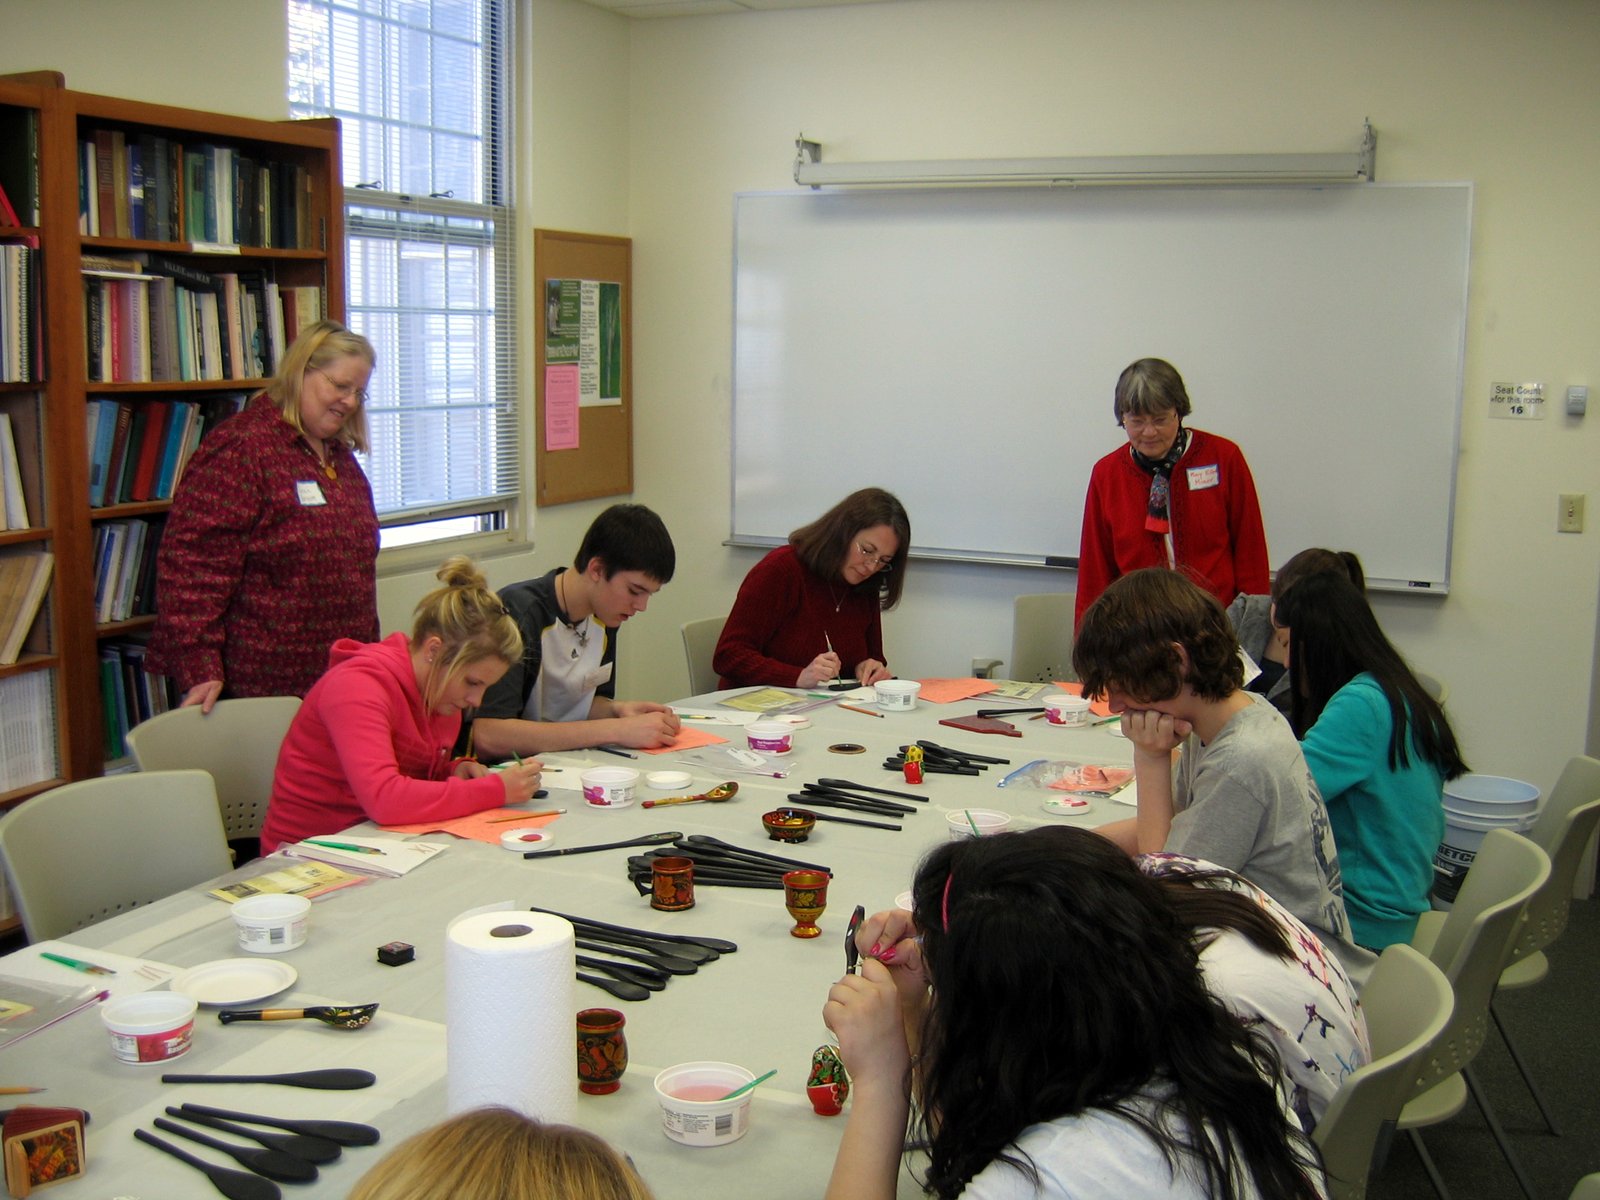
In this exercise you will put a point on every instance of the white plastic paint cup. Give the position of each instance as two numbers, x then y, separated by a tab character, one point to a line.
271	924
770	737
150	1027
609	787
987	821
692	1115
1063	708
896	695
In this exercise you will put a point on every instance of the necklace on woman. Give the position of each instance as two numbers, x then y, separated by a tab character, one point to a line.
838	600
325	464
580	627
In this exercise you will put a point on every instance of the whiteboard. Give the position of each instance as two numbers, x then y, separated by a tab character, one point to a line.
960	347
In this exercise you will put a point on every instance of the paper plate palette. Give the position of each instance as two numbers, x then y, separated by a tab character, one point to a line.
235	980
522	840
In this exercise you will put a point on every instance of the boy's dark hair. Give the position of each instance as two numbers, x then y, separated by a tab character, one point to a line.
629	537
1126	640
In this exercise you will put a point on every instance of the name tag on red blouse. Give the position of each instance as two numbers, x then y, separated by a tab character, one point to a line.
1201	478
310	494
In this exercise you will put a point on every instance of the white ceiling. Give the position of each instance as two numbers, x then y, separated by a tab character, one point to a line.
696	8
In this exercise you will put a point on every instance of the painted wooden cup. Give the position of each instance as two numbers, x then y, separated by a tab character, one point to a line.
602	1051
805	895
671	883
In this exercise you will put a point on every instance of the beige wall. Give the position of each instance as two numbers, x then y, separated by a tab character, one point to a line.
649	128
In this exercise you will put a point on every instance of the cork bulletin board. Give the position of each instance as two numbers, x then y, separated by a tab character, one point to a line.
584	366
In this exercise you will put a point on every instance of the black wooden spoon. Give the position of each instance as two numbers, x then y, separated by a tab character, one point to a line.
236	1185
722	945
649	839
332	1079
345	1133
312	1149
651	981
672	964
682	950
619	989
274	1164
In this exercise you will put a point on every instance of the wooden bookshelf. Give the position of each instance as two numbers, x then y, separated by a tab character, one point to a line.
307	250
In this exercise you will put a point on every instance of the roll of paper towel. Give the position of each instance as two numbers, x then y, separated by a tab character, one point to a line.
510	1002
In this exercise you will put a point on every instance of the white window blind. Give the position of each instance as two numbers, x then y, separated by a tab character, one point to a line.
419	88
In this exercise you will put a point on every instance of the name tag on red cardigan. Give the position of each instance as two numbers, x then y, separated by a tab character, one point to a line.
1201	478
310	495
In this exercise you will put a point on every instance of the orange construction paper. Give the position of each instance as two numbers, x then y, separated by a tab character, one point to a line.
689	736
944	691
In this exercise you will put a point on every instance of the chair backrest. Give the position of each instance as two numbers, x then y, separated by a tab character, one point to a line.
1547	912
1407	1002
1435	687
86	851
237	742
1041	637
1474	944
699	644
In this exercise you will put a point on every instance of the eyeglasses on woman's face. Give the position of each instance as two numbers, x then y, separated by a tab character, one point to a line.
343	389
1137	425
869	552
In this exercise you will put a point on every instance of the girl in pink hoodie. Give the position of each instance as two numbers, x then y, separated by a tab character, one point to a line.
373	738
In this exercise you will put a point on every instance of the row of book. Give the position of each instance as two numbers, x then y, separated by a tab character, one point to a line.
127	694
19	167
13	499
24	579
138	449
125	568
151	318
149	187
19	306
28	751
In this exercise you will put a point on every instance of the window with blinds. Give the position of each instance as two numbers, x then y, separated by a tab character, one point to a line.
419	87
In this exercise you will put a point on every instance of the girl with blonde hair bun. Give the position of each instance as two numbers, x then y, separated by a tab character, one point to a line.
498	1154
372	740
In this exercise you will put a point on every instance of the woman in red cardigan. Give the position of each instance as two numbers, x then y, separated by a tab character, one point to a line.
1172	497
373	738
811	611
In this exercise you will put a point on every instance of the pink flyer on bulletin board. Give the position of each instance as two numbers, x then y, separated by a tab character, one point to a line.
561	407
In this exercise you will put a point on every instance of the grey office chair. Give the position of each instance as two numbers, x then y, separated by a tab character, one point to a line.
1434	686
236	742
87	851
1041	637
1471	948
1407	1002
699	644
1566	823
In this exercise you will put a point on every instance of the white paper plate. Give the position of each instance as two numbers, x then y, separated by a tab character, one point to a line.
235	980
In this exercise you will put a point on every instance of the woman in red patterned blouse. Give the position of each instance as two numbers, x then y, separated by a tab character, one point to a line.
270	551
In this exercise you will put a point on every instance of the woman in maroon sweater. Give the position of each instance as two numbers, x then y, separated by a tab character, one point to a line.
811	611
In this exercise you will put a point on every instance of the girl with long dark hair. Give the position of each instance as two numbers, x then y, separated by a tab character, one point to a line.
1379	747
1043	1021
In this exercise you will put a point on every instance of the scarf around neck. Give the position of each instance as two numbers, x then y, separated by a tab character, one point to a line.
1157	519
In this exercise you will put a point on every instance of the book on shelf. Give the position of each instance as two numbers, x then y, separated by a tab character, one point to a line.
27	729
19	304
119	450
13	500
19	162
24	580
128	693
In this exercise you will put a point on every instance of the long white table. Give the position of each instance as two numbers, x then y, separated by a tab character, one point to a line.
759	1007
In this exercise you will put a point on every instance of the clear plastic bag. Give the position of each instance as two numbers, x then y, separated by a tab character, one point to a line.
1076	778
735	760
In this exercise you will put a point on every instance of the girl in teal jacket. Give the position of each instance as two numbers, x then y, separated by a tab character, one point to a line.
1379	747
